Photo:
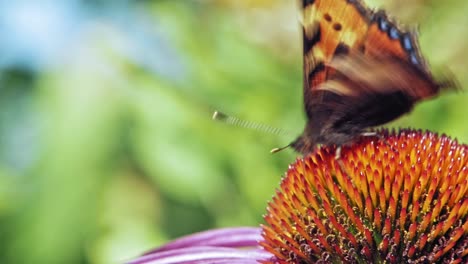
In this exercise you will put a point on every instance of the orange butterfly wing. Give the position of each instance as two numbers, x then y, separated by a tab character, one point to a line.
337	27
327	24
384	38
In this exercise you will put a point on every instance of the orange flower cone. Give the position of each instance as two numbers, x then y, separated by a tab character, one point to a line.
398	199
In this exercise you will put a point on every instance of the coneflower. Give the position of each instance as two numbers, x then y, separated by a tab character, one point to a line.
397	198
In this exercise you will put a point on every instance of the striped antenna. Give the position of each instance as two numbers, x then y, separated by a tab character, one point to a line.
234	121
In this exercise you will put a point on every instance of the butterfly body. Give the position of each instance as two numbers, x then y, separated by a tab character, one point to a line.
360	71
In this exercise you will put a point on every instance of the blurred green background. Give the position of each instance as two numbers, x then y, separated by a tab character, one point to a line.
107	148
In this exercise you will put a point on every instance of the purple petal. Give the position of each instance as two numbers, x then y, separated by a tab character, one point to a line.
223	237
204	255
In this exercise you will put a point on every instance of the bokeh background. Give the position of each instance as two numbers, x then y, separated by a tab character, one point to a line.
107	148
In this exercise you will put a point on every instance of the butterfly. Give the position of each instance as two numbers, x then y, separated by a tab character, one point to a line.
360	71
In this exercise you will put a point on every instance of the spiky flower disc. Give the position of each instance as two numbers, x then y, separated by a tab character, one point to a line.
398	199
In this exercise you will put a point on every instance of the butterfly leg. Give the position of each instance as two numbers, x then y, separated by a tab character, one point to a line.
363	134
370	134
379	136
374	134
338	153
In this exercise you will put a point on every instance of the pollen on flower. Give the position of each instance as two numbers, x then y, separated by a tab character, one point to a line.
399	198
